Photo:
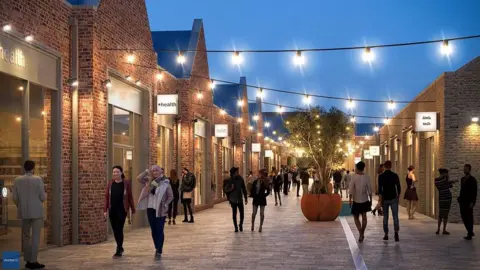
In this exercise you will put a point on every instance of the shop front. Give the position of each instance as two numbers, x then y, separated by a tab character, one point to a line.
30	106
200	161
165	124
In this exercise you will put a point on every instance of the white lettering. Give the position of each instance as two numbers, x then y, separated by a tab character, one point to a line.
14	57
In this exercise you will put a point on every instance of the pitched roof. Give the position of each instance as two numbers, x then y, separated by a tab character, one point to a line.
84	2
276	121
177	41
362	129
226	96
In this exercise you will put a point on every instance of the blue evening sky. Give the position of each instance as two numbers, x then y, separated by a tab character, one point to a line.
397	73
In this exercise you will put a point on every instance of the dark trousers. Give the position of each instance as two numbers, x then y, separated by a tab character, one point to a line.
117	221
467	216
298	188
277	194
156	225
173	208
285	187
187	203
234	213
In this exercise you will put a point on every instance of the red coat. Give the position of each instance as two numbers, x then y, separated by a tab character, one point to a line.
127	196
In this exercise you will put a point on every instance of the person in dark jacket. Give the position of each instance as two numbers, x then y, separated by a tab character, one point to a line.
235	187
118	201
286	185
389	191
173	206
188	186
277	185
259	193
305	179
337	180
467	200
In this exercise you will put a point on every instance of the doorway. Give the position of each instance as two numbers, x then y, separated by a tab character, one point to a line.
431	196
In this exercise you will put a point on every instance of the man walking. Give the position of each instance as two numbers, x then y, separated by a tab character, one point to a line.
467	199
234	187
360	192
389	191
305	179
337	180
28	196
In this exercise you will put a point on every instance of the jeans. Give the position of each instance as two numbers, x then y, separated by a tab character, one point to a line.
156	225
467	216
31	230
117	221
394	205
187	204
298	188
172	209
277	193
234	213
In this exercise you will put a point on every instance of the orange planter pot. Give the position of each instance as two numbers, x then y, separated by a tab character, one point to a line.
321	207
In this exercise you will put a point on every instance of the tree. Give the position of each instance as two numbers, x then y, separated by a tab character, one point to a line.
323	135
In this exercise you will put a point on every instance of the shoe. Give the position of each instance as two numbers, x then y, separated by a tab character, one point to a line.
174	223
241	228
468	237
445	233
253	227
437	232
374	211
260	229
158	255
185	220
298	195
236	229
397	239
276	204
360	239
34	265
385	237
169	222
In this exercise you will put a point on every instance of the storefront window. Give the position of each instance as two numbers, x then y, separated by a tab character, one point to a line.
199	169
122	126
165	148
215	170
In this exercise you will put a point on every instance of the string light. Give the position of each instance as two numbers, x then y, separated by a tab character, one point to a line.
212	84
240	103
74	82
267	124
307	99
317	116
386	120
18	118
288	122
260	93
376	129
280	139
267	138
280	109
318	126
108	83
446	49
138	82
259	134
391	105
128	78
237	58
199	95
130	58
29	38
352	119
239	120
7	28
367	137
274	132
159	76
20	88
255	118
250	128
181	58
350	104
298	59
43	112
368	55
222	112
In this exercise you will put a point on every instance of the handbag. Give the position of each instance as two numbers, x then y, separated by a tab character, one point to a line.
187	195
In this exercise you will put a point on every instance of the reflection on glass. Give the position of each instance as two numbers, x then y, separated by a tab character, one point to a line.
199	168
122	126
165	148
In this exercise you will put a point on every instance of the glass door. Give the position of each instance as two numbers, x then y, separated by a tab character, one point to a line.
431	200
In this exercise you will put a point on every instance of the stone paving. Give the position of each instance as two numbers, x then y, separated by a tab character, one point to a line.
288	241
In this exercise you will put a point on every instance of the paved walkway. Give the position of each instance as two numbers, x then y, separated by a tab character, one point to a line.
288	241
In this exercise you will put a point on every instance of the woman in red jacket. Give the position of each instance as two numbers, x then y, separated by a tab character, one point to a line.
118	200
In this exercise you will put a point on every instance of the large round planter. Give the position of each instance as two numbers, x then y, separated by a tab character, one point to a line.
321	207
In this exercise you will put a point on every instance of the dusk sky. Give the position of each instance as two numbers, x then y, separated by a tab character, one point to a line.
397	73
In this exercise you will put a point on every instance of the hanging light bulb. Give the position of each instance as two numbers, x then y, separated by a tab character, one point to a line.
7	28
274	132
307	99
352	119
250	128
446	49
298	59
386	120
368	55
280	109
350	104
159	76
130	58
391	105
199	95
255	118
181	58
260	93
212	84
222	112
376	129
240	103
239	120
267	124
237	58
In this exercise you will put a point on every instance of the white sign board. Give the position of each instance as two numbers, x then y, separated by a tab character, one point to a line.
374	150
269	153
221	130
167	104
256	148
425	121
129	155
124	96
366	154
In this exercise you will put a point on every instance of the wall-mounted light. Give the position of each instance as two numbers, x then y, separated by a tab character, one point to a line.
159	76
73	82
29	38
108	83
475	119
7	27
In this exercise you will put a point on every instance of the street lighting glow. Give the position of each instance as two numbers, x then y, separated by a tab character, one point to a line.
368	55
307	99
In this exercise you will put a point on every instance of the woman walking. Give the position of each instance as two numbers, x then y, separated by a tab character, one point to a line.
259	192
443	185
277	186
188	186
155	198
173	206
118	201
411	192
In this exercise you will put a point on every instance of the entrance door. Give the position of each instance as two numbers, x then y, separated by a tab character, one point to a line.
431	197
123	156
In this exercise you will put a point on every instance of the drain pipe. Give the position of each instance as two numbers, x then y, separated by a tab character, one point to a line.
75	187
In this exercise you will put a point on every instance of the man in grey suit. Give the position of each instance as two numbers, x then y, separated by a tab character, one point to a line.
28	195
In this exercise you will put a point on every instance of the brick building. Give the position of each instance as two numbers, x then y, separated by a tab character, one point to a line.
449	142
95	104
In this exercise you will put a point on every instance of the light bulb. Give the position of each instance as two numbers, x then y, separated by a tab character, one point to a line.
7	27
129	78
20	88
130	58
391	105
138	82
318	126
446	49
367	137
29	38
250	128
108	83
43	112
368	55
222	112
267	124
267	138
199	95
386	120
352	119
274	132
259	134
362	142
307	99
255	118
350	104
181	58
237	58
18	118
212	84
475	119
239	120
280	138
159	76
376	129
74	83
260	93
298	59
240	103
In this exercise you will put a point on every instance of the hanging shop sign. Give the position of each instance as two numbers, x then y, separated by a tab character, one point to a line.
425	121
256	148
269	153
366	154
221	130
167	104
374	150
